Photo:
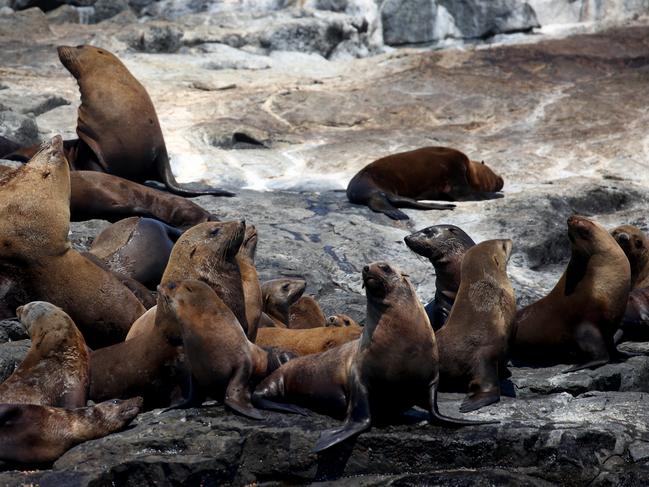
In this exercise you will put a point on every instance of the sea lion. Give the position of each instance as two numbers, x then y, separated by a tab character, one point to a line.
250	281
309	340
56	370
41	434
473	343
34	225
117	125
221	359
444	246
429	173
390	368
137	247
341	320
306	313
577	321
279	295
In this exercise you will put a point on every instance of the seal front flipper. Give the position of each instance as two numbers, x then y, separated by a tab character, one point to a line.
405	202
167	177
358	416
380	203
438	418
237	395
194	398
592	347
484	388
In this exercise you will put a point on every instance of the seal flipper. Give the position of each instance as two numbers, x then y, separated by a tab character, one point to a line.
194	398
380	203
484	388
438	418
264	403
237	395
405	202
167	177
358	416
591	343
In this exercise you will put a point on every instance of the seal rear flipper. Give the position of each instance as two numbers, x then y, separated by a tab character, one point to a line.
194	397
473	402
237	395
263	403
438	418
592	347
167	177
379	203
405	202
484	388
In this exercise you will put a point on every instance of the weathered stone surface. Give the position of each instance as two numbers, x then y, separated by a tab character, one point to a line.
11	354
13	330
19	128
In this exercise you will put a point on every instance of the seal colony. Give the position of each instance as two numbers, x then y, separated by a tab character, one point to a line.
217	332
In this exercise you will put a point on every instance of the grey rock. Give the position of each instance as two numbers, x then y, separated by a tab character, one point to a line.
105	9
43	104
156	38
222	56
408	22
13	330
64	14
19	128
26	25
11	354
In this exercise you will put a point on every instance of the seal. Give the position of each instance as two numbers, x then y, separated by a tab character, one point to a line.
221	359
306	313
308	340
34	224
279	295
56	370
473	344
117	125
41	434
444	246
341	320
137	247
429	173
577	321
390	368
250	281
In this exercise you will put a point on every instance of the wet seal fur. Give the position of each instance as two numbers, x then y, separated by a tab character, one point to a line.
41	434
577	321
250	281
56	370
278	297
445	247
390	368
306	313
430	173
117	125
308	340
473	344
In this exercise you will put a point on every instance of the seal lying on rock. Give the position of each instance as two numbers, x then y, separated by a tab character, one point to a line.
279	295
429	173
390	368
473	343
341	320
577	321
41	434
309	340
444	246
56	370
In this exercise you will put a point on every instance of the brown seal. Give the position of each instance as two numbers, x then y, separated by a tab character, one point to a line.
221	359
279	295
577	321
309	340
392	367
117	125
250	281
429	173
137	247
341	320
34	227
41	434
56	370
473	344
444	246
306	313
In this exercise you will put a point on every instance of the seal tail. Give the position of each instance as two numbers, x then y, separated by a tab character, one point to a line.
167	177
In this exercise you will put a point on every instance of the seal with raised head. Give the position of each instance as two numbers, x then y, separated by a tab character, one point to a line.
390	368
307	340
279	295
444	246
41	434
341	320
577	321
306	313
250	281
117	125
137	247
34	227
221	359
474	342
429	173
56	370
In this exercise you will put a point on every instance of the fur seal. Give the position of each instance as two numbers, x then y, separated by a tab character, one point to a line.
306	313
308	340
34	226
341	320
473	343
444	246
250	281
137	247
41	434
117	125
221	359
56	370
279	295
577	321
429	173
390	368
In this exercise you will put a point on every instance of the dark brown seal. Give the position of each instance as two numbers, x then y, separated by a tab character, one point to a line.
279	295
577	321
117	125
137	247
309	340
392	367
429	173
41	434
306	313
56	370
444	246
34	227
474	342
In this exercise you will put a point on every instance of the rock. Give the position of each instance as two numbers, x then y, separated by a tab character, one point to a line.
44	104
13	330
23	26
64	14
11	354
105	9
156	38
19	128
553	12
222	56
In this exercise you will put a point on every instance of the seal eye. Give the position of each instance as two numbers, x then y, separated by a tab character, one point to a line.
385	268
215	232
285	287
115	401
638	244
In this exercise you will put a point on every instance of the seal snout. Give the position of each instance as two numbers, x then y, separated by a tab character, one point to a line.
623	238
